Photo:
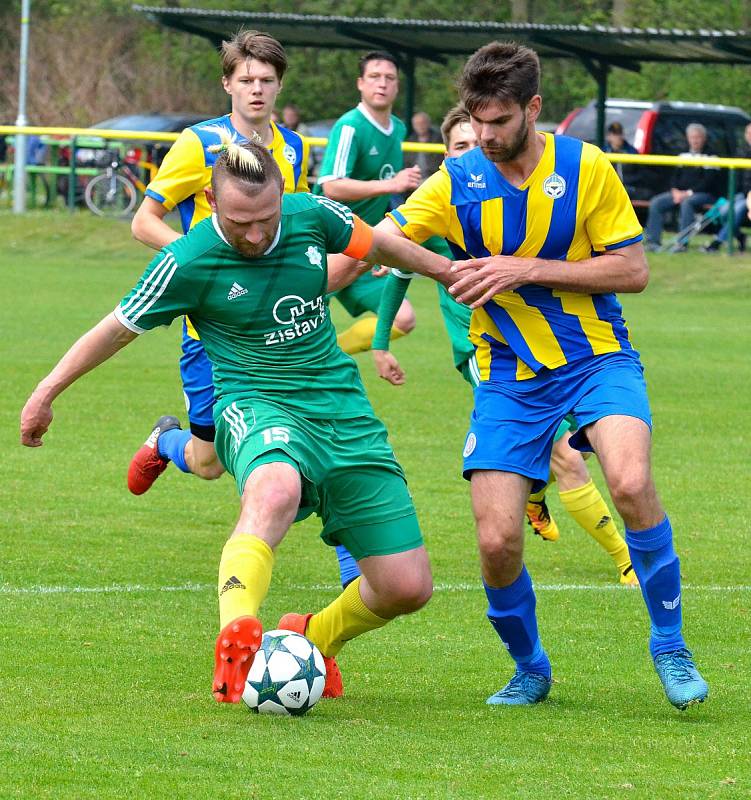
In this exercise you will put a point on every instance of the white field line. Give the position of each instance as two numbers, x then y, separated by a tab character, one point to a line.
137	588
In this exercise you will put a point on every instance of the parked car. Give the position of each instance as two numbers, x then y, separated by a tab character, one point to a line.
660	128
158	123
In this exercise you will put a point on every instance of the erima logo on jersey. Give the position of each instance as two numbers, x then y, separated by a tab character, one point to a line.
554	186
314	256
290	154
672	605
477	181
373	151
236	291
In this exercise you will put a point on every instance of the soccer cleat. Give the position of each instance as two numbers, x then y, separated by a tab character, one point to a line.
147	465
298	623
524	689
542	522
683	684
628	577
235	648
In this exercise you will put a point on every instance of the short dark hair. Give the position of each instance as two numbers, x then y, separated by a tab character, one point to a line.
251	164
376	55
454	116
246	44
616	128
500	71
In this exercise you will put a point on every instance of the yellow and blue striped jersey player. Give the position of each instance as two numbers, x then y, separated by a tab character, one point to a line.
253	66
553	237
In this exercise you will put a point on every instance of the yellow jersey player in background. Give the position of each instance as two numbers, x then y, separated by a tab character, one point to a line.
253	66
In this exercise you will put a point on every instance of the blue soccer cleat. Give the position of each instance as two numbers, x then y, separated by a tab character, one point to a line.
524	689
683	684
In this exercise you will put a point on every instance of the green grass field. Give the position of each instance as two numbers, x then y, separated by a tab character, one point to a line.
109	609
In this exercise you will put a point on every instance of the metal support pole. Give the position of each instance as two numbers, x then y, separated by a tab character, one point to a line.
72	175
19	173
602	96
599	71
731	211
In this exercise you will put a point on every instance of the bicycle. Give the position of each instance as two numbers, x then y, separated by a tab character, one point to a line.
115	191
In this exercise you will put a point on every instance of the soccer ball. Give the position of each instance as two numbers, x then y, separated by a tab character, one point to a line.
287	675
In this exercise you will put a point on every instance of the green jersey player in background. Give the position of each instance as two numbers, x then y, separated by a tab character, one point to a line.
293	425
363	167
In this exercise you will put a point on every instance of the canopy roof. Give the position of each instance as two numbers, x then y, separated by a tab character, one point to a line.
434	39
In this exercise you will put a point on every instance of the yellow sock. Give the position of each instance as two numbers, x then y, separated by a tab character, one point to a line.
587	507
342	620
244	577
359	337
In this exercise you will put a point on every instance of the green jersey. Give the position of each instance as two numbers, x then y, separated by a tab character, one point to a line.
265	320
361	149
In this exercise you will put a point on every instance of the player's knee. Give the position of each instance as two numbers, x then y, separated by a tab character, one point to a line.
405	318
410	593
630	487
497	546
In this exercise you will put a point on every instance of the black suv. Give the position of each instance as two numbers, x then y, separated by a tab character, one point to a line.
660	128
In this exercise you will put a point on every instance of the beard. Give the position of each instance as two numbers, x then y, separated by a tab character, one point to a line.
499	154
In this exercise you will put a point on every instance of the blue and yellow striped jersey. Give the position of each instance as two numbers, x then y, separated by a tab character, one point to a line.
571	207
186	170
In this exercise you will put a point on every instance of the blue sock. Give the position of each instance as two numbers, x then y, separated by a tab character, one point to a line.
348	569
657	567
511	612
171	445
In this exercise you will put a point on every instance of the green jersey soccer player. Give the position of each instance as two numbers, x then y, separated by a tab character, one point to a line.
293	424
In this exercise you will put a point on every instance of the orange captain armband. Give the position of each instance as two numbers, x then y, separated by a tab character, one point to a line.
361	241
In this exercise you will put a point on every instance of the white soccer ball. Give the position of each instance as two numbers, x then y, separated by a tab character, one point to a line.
287	675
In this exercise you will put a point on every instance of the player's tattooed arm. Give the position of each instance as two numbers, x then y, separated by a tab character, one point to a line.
100	343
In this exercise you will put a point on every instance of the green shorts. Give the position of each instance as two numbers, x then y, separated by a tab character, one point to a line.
350	476
470	371
362	295
568	425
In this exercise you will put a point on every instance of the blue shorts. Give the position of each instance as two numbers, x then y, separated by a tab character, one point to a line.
514	423
198	387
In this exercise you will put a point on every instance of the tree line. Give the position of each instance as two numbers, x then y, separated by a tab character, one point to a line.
93	59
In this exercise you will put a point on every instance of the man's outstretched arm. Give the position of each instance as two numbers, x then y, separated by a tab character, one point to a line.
93	348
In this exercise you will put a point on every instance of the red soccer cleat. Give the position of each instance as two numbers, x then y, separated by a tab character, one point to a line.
298	623
236	646
147	465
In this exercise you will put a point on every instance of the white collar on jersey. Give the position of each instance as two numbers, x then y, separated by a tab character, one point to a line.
220	234
363	109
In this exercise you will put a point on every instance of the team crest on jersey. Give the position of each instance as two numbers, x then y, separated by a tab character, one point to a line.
314	256
386	173
470	444
290	154
554	186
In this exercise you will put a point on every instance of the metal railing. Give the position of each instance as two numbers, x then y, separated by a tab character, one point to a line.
730	164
